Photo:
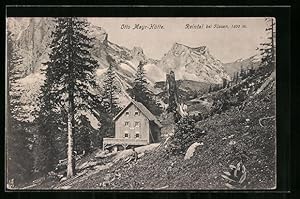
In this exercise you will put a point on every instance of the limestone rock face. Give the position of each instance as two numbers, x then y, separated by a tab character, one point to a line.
193	64
33	37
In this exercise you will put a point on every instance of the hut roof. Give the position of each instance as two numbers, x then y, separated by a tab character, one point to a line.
143	109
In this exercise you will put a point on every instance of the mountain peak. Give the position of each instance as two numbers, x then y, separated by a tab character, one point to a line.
99	33
137	50
178	45
203	49
193	63
137	54
181	47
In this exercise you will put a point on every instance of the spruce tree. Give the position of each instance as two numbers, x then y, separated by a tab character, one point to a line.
17	135
110	89
267	49
110	104
70	79
237	77
224	83
234	78
243	74
172	92
209	89
50	140
83	136
251	69
141	93
14	60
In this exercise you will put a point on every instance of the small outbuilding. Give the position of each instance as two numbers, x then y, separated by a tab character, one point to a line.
135	126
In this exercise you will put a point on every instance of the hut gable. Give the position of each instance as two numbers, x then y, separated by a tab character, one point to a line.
143	110
135	126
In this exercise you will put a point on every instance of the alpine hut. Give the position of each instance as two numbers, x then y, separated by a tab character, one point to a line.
135	126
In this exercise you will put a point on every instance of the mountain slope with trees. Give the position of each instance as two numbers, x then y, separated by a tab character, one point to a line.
231	121
242	132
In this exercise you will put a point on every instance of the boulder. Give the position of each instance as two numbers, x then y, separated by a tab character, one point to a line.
101	154
65	187
190	152
103	167
141	155
63	179
126	153
87	164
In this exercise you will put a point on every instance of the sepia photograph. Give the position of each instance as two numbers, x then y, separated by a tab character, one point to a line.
140	103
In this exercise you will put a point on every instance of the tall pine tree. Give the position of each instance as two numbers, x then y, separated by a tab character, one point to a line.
209	89
172	92
70	79
110	104
17	137
14	74
267	49
110	88
49	146
141	93
237	77
224	85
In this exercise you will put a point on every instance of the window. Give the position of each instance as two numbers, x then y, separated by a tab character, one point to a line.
137	135
126	123
126	134
136	113
127	113
136	124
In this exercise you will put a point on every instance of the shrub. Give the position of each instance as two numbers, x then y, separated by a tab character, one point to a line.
236	177
185	134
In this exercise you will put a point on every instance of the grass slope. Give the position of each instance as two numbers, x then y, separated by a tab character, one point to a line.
159	170
244	132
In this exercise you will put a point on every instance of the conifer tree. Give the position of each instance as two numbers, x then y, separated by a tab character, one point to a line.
224	83
70	80
110	89
267	49
51	128
251	69
172	92
209	89
83	135
237	77
141	93
14	74
17	137
234	77
241	72
110	104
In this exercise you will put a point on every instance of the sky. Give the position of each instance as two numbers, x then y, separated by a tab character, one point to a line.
226	44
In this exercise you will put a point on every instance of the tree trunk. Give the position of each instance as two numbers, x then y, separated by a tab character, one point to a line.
70	152
273	42
111	99
71	160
